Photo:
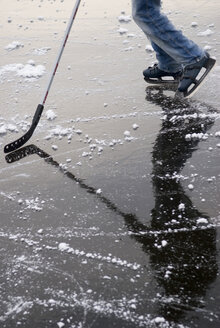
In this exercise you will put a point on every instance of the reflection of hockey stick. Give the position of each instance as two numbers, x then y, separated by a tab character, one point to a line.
32	149
133	224
21	141
131	221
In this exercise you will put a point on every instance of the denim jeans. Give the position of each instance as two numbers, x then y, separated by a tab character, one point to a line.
173	49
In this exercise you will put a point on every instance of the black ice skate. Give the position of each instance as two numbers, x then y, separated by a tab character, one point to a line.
193	75
155	75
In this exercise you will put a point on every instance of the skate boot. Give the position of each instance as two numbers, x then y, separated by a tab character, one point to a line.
194	74
155	75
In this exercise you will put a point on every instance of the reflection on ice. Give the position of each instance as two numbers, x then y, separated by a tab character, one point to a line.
180	240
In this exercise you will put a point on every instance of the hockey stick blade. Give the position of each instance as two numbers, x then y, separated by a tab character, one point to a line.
21	141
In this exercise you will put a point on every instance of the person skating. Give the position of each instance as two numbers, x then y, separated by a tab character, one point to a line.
180	60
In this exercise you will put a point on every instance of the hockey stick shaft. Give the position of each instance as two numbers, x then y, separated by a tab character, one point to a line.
21	141
68	29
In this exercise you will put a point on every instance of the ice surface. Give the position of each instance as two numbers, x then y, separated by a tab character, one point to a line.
99	226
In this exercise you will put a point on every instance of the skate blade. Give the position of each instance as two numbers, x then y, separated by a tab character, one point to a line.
163	87
198	83
160	81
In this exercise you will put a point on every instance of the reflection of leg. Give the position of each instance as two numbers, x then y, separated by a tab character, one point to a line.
161	31
183	255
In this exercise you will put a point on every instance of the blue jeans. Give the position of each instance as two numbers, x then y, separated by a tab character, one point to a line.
173	49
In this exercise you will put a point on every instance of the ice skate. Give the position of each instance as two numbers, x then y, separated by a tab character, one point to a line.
193	75
155	75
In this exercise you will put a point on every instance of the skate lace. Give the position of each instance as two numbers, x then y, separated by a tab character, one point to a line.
153	68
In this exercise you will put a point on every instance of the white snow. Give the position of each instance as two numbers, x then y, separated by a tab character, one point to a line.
205	33
135	126
127	133
28	70
202	220
131	35
196	136
63	247
181	207
164	243
159	320
3	130
60	131
128	49
190	186
86	154
78	131
194	24
149	48
124	18
11	128
33	204
207	48
41	51
54	147
14	45
50	115
122	30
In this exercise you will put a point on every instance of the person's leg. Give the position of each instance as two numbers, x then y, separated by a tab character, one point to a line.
166	63
158	28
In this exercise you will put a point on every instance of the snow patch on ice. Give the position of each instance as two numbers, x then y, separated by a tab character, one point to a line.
28	70
41	51
159	320
124	18
14	45
64	247
60	324
190	186
135	126
181	207
3	130
207	32
18	305
196	136
54	147
202	221
122	30
149	48
50	115
194	24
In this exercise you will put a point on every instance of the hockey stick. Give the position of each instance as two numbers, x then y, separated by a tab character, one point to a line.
21	141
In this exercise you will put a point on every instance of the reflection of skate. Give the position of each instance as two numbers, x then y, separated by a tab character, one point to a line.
194	75
165	97
155	75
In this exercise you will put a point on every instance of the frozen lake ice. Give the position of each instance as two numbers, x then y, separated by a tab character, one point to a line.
110	215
